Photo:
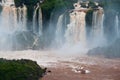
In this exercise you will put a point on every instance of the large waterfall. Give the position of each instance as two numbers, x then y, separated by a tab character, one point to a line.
12	18
13	25
76	31
70	29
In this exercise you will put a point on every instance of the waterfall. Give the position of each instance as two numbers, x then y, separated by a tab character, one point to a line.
34	19
37	26
94	23
76	30
19	17
117	26
40	21
98	37
59	30
97	24
24	17
12	18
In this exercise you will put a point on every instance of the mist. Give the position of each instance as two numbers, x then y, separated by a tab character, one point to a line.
74	27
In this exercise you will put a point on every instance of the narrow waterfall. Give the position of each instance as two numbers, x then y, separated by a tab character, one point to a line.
76	30
37	22
59	30
94	23
117	26
97	24
34	19
24	17
40	21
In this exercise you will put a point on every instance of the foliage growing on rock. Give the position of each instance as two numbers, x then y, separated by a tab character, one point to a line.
26	2
20	70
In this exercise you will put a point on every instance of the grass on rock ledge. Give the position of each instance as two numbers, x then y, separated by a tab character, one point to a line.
20	70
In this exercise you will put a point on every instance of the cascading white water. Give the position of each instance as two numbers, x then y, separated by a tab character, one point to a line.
76	30
34	19
38	8
12	18
59	30
40	21
24	17
97	25
117	26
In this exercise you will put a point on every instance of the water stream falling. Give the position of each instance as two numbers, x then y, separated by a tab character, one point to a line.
37	20
13	24
12	18
34	19
117	26
40	21
59	30
76	30
97	25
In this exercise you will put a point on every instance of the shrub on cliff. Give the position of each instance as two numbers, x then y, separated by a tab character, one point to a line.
26	2
20	70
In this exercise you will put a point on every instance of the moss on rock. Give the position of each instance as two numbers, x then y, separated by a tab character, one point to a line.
20	70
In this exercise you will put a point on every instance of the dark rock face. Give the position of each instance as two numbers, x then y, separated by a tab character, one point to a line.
20	70
26	2
23	40
111	51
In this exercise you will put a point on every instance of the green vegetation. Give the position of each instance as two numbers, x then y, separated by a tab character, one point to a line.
92	4
88	18
26	2
49	5
20	70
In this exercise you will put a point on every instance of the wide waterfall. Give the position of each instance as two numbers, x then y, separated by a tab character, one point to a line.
14	26
12	18
69	30
76	31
